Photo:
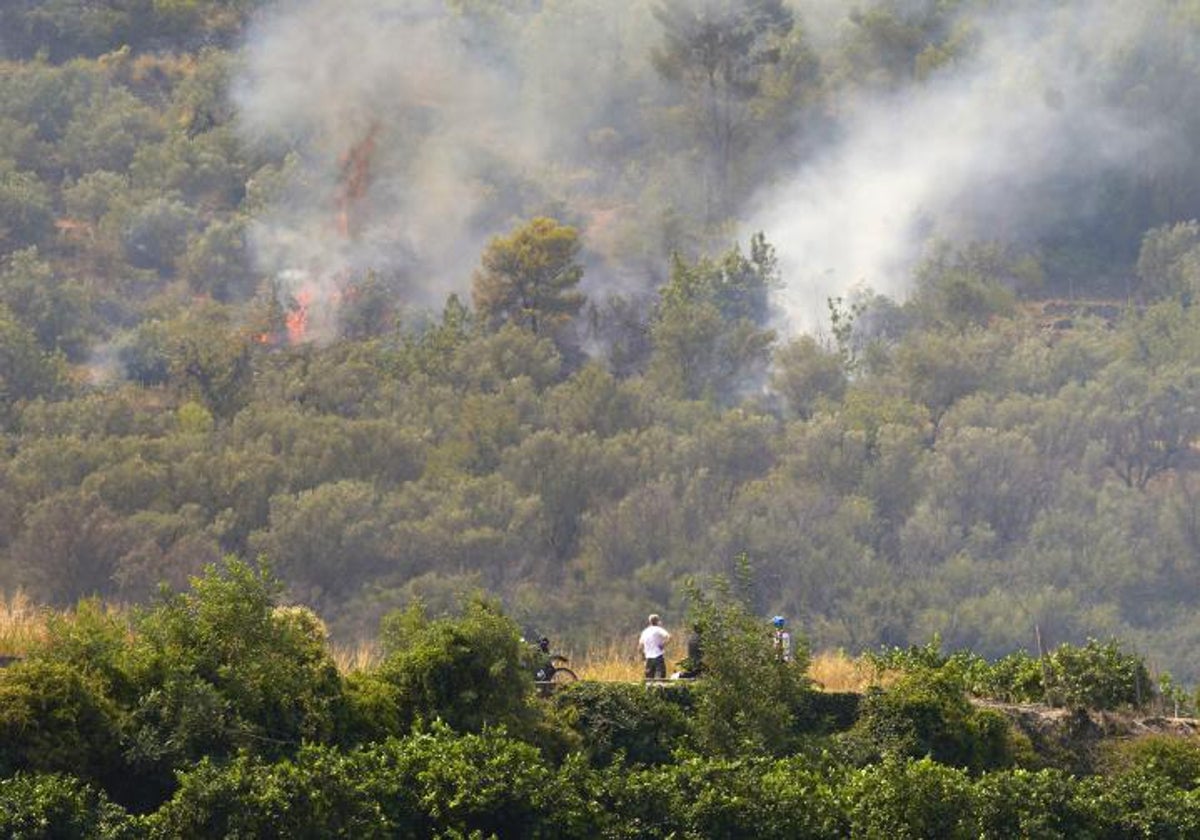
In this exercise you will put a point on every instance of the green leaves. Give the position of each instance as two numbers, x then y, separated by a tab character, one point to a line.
528	278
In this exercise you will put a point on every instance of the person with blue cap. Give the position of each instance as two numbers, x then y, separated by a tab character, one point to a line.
783	638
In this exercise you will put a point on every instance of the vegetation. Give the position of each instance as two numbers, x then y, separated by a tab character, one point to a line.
216	712
510	327
953	462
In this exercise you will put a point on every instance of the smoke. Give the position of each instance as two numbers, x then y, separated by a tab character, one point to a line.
414	133
1010	141
457	126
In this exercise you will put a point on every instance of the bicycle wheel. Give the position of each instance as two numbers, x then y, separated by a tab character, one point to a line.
563	675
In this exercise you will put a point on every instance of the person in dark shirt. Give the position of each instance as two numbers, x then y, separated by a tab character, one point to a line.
693	665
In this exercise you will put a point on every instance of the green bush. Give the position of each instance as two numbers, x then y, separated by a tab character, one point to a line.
1140	804
222	668
1015	678
642	802
910	800
927	714
430	784
94	641
371	711
1099	676
762	798
37	806
749	702
468	671
1172	758
55	719
614	719
1094	676
830	711
1022	803
320	793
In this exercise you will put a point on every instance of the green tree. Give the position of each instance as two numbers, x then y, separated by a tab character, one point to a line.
1168	264
968	286
25	370
470	672
210	357
808	376
223	667
59	311
529	278
218	262
708	333
751	700
106	132
717	52
26	215
1145	418
60	806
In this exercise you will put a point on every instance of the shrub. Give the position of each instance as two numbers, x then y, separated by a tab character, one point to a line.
749	702
465	671
910	800
1015	678
762	798
1139	804
436	783
55	719
629	720
221	668
1021	803
1099	676
48	806
321	793
91	640
927	714
1175	759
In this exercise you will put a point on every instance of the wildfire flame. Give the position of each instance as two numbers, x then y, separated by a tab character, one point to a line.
320	288
354	181
296	320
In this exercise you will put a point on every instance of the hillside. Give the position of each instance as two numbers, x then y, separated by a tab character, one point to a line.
576	326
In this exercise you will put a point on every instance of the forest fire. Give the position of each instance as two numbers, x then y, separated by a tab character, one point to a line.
296	320
355	178
318	291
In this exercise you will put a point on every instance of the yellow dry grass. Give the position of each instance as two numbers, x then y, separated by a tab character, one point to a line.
21	623
357	657
616	661
837	671
831	670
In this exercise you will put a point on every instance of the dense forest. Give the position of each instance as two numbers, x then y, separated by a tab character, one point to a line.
572	302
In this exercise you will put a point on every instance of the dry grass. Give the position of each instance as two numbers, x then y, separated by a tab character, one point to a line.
21	623
359	657
832	670
617	661
836	671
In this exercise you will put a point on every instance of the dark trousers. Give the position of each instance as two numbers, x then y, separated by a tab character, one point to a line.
656	668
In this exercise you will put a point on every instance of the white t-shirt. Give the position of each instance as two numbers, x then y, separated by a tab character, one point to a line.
653	641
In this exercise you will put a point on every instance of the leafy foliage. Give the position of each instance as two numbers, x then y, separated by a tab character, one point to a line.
468	672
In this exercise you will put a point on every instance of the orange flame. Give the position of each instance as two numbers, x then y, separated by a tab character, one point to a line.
354	181
296	320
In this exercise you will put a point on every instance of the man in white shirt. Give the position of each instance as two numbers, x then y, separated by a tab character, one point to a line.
652	644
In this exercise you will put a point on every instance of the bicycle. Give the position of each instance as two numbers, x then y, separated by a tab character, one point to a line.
550	671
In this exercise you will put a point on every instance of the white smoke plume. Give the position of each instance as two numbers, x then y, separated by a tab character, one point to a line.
466	123
458	122
991	147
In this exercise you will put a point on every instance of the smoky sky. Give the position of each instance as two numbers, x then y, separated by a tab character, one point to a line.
477	123
1015	138
481	120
